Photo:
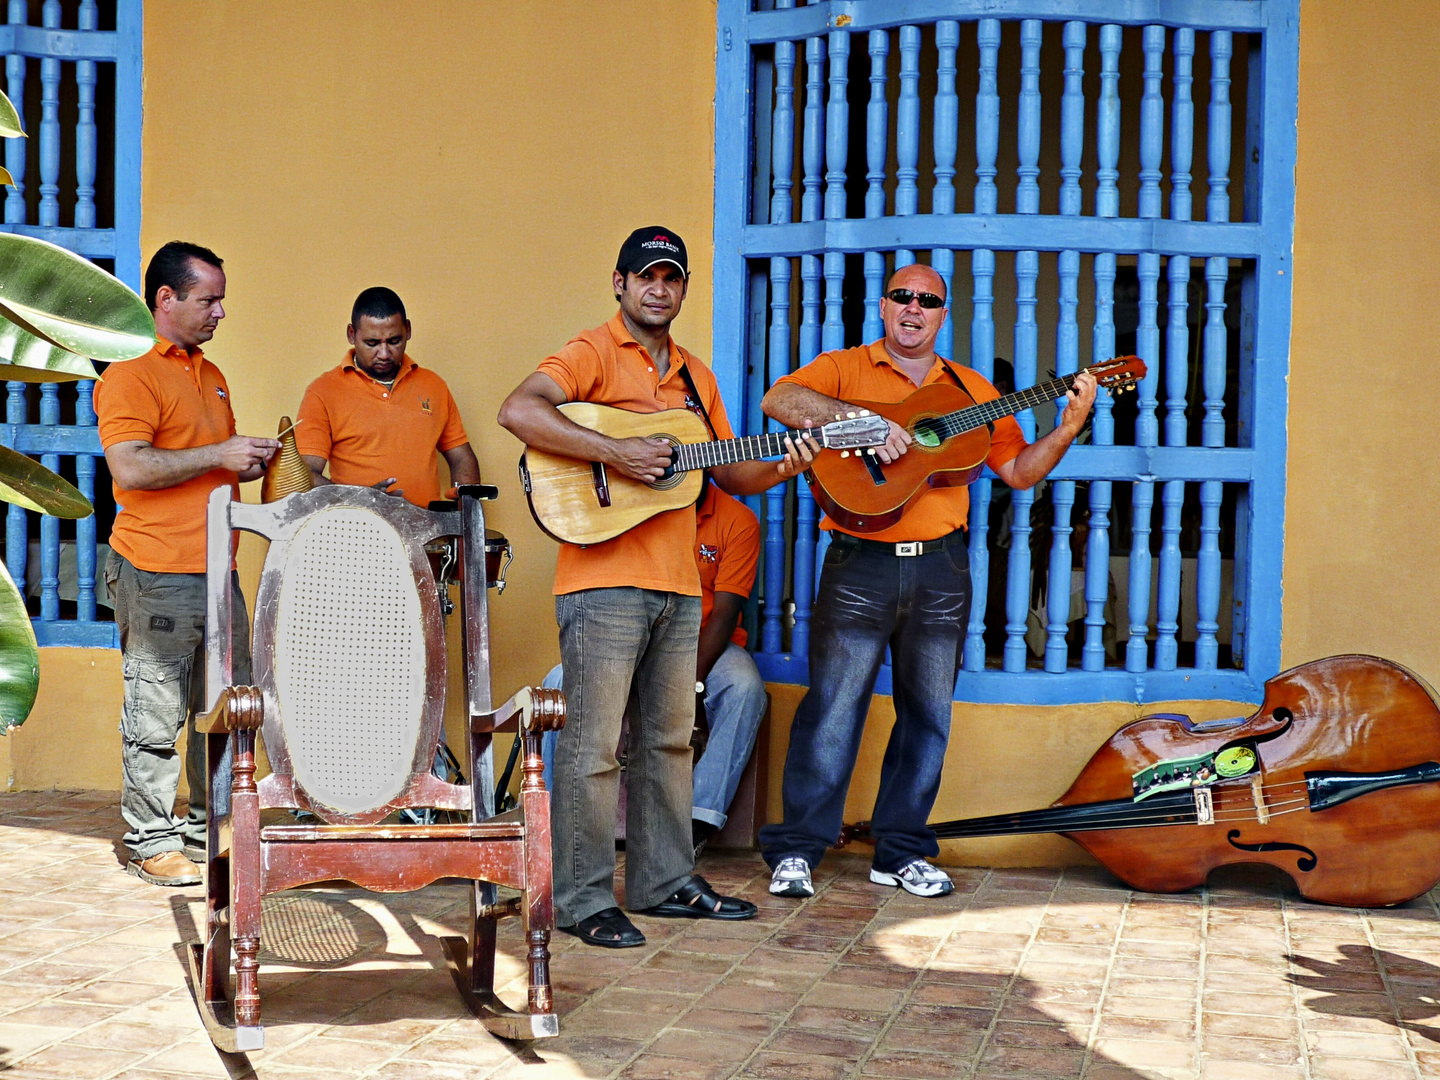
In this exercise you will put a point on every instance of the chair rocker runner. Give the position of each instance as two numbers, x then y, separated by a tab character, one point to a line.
349	658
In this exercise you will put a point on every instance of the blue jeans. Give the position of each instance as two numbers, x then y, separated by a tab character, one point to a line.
919	607
734	706
613	641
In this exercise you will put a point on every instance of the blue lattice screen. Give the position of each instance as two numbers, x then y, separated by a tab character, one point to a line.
1091	178
76	79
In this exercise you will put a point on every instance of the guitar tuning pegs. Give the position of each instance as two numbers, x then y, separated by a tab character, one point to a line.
849	416
864	412
844	453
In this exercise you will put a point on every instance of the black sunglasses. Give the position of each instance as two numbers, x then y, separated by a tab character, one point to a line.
925	299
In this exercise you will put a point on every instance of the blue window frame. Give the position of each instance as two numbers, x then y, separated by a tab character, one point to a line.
1132	191
76	79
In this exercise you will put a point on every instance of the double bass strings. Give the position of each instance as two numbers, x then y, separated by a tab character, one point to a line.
1174	808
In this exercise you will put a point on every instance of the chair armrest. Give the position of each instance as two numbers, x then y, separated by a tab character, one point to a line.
536	708
240	708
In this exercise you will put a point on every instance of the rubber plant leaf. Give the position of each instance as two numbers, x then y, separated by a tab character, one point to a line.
9	122
70	302
27	358
5	177
25	482
19	656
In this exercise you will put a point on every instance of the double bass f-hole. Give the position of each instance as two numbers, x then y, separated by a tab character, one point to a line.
1307	862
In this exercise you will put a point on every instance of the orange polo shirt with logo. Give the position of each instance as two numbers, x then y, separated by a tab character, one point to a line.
607	366
866	373
727	551
369	432
173	400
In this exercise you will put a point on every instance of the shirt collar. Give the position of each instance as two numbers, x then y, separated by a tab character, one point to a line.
166	347
880	355
623	337
406	366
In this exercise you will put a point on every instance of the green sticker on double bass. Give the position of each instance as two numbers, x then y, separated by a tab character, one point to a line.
1235	761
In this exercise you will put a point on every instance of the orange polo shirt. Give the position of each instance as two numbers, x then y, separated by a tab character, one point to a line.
369	432
727	551
866	373
172	400
608	366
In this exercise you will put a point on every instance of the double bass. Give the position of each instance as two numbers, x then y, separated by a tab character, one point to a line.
1335	780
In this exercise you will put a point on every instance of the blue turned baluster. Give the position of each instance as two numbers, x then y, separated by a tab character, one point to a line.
1107	205
982	321
1067	337
1177	352
50	526
877	122
947	123
1212	427
1147	345
17	537
782	151
85	131
85	561
50	125
17	13
1027	271
907	135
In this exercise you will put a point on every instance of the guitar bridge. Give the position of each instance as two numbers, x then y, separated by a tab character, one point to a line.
602	483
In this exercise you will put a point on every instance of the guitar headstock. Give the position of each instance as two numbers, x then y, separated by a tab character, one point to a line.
854	429
1119	373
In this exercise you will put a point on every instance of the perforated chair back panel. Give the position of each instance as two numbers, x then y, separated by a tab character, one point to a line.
350	659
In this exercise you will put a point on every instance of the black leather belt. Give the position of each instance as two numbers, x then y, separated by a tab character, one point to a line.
905	548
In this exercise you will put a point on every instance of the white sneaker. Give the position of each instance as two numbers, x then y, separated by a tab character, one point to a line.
792	878
916	877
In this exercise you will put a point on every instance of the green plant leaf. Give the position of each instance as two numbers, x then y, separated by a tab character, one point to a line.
70	302
19	656
5	177
9	121
27	358
25	482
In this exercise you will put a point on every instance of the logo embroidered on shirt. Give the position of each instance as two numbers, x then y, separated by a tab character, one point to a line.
221	392
709	553
425	404
693	405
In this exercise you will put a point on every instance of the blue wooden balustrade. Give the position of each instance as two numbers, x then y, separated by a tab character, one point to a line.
75	54
1191	433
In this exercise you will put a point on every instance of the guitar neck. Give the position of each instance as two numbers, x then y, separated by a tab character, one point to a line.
1167	808
707	455
976	416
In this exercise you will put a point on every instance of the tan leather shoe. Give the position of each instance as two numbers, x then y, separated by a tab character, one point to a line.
167	868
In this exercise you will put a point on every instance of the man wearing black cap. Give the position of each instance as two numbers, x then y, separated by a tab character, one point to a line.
629	609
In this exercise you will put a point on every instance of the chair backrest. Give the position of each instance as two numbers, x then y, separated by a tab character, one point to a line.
349	648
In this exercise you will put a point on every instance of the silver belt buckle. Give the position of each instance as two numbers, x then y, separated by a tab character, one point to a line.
910	548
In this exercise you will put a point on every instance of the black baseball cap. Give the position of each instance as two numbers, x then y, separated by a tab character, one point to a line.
653	244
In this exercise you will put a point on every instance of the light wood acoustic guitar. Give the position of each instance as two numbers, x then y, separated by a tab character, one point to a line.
952	438
583	502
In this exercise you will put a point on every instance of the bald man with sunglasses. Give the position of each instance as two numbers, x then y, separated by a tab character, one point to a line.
906	587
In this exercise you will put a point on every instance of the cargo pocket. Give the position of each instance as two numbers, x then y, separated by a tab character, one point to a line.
157	700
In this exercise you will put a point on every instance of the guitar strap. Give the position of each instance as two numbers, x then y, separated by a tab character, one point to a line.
699	401
950	367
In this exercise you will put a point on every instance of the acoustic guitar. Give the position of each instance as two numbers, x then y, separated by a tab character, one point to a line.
583	502
952	438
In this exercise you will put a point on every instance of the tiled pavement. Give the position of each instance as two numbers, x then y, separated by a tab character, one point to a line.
1020	973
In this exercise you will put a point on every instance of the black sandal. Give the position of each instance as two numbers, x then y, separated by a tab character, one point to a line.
697	900
609	929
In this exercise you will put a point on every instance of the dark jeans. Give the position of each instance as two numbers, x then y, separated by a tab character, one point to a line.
919	607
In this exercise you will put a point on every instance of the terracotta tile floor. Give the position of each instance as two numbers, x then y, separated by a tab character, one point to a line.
1018	974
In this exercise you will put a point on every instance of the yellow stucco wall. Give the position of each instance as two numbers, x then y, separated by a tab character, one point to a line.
486	161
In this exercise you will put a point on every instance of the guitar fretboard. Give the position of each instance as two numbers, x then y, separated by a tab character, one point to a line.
707	455
968	419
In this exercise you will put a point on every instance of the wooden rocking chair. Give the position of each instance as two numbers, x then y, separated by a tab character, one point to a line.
349	658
